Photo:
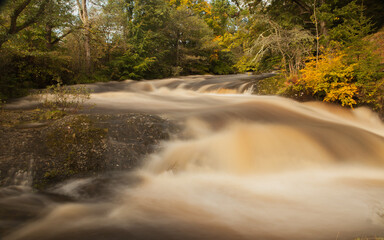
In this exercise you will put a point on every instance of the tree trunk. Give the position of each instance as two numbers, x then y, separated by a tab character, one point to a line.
87	48
48	37
317	33
83	12
323	25
178	50
323	28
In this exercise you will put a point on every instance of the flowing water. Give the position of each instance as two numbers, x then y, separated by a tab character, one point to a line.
244	167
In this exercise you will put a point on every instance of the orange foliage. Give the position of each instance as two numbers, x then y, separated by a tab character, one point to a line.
330	78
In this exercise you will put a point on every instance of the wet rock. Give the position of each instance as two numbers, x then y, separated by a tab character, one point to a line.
83	145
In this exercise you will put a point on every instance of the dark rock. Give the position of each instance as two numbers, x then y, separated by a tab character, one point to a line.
44	154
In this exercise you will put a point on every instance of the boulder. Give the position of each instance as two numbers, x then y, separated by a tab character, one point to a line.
41	154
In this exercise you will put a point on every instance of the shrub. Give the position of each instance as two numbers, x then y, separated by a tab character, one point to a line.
131	66
270	86
347	77
60	99
221	62
21	71
330	79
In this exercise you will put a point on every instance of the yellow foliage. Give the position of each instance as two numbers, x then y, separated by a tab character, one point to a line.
197	6
342	92
330	78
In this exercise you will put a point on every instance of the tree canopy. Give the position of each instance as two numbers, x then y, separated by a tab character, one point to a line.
76	41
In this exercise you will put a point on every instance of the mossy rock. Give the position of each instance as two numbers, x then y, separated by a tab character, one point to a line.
74	146
88	145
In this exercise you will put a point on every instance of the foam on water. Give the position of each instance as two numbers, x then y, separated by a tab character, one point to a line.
246	167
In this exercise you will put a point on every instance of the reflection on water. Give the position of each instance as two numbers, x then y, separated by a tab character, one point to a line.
246	167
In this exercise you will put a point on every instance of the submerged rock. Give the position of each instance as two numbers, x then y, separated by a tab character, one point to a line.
80	145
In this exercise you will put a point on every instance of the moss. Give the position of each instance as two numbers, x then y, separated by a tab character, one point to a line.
15	118
270	86
76	146
52	114
51	174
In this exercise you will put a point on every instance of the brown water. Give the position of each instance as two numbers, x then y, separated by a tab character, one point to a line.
246	167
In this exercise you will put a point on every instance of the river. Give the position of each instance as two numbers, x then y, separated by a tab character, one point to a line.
244	167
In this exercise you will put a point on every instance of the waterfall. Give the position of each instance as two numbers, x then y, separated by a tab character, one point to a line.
244	167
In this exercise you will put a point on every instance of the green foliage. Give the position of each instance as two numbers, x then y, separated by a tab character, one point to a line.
342	77
270	86
127	39
222	62
146	56
349	24
23	70
77	145
349	71
219	18
52	114
191	38
131	66
344	67
29	58
165	41
148	39
290	45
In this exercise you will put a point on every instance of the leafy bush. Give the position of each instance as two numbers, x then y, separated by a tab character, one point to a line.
60	99
346	77
21	71
221	62
270	86
330	79
131	66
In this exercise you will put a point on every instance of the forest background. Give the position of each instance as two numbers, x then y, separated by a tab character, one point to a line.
328	50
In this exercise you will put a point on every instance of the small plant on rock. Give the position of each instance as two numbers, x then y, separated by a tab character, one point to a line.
59	99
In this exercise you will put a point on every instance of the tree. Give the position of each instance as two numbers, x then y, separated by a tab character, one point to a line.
221	16
83	14
291	45
350	24
348	71
148	47
190	37
200	8
58	22
18	15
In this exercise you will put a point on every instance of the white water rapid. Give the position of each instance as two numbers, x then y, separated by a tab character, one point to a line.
245	167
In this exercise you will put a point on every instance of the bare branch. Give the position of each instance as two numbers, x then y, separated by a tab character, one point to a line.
58	39
302	5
